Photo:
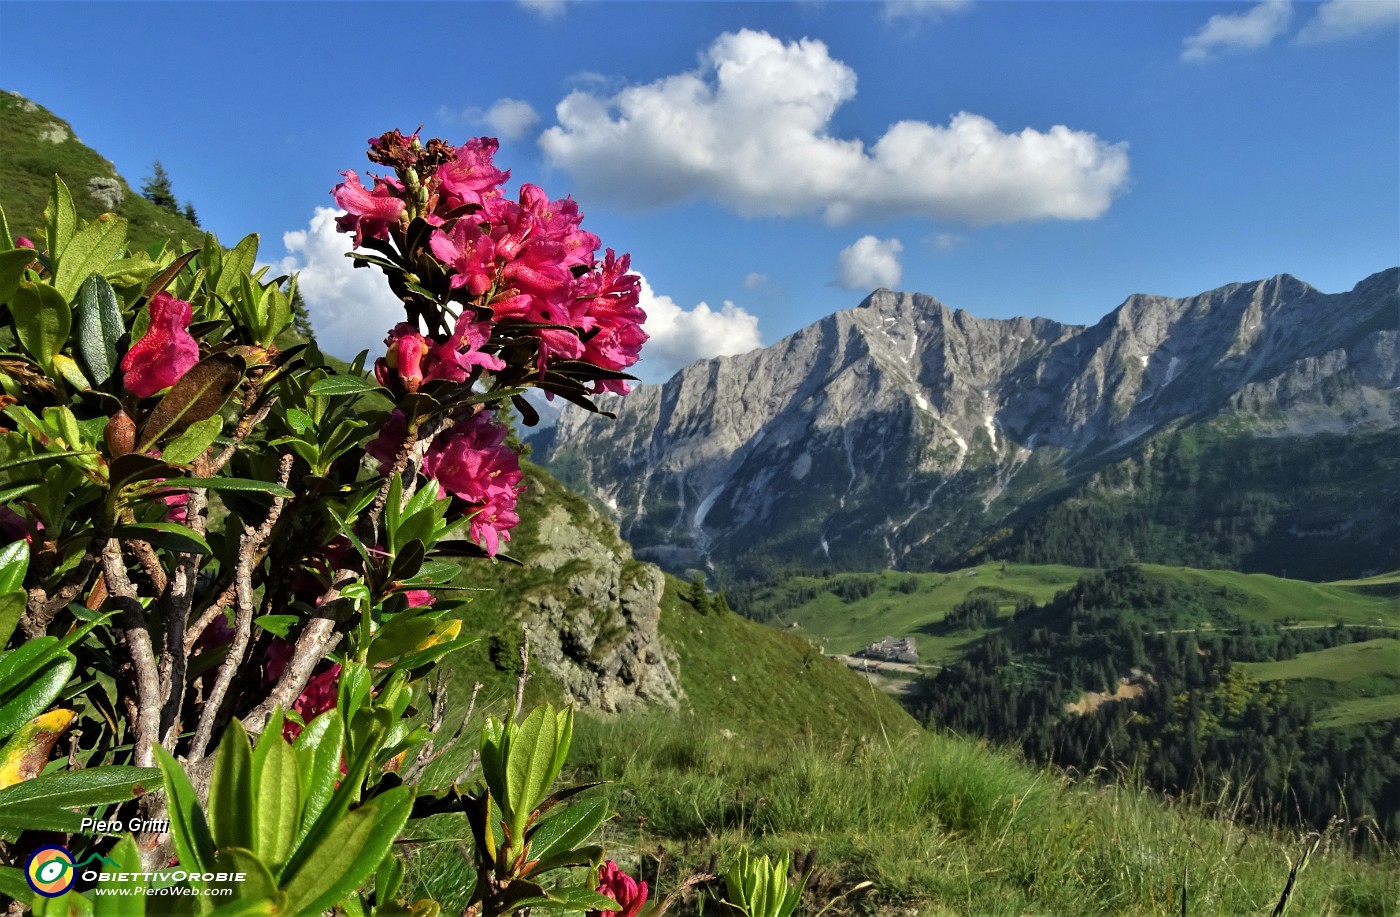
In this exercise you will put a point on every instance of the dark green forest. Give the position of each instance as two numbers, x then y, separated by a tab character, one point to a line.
1300	507
1188	719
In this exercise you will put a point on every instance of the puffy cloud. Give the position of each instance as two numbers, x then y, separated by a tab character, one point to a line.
1338	20
679	337
545	9
928	10
351	309
869	263
1254	28
512	118
749	129
509	119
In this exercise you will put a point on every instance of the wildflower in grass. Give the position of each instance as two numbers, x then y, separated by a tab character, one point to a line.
623	889
165	352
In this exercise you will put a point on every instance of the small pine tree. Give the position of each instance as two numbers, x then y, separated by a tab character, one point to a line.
157	190
190	215
301	318
697	595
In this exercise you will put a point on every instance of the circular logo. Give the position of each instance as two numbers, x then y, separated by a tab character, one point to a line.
50	871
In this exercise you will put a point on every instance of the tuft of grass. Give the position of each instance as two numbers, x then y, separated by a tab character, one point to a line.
942	825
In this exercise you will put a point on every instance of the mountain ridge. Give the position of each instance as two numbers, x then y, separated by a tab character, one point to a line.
785	450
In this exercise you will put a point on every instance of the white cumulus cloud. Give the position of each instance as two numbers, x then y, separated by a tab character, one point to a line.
750	129
869	263
1254	28
351	309
1339	20
511	118
679	336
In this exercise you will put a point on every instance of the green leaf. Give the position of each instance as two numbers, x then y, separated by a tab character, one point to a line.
12	881
69	904
237	263
12	605
99	327
250	907
277	625
529	763
569	828
342	385
12	265
231	790
200	393
344	860
259	884
115	904
399	636
42	319
37	694
191	444
277	801
14	563
90	250
169	535
577	898
134	467
319	749
38	817
60	216
162	280
243	485
188	827
326	824
87	788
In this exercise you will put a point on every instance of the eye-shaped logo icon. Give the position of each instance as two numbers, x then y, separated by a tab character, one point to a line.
50	871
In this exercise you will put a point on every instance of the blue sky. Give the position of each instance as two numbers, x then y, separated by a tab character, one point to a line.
776	161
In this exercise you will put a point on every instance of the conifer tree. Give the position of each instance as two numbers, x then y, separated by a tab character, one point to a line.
157	190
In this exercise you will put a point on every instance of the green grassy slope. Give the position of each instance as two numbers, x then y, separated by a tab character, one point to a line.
35	144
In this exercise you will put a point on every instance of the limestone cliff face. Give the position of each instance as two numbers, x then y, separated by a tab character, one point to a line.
901	432
589	608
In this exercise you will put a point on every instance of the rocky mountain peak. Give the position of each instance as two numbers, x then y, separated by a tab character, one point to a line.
902	428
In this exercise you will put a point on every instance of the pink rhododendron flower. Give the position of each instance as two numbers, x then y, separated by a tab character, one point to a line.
23	242
558	222
468	251
368	213
415	359
623	889
165	352
470	177
612	296
418	598
472	461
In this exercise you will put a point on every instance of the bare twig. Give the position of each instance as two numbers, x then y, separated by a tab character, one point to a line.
317	639
150	564
249	554
524	673
428	753
42	608
196	629
136	631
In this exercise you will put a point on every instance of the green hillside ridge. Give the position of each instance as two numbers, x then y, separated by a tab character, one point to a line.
844	612
779	749
37	144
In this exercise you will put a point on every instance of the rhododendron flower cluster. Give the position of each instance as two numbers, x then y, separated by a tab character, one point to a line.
165	352
622	888
501	292
523	262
